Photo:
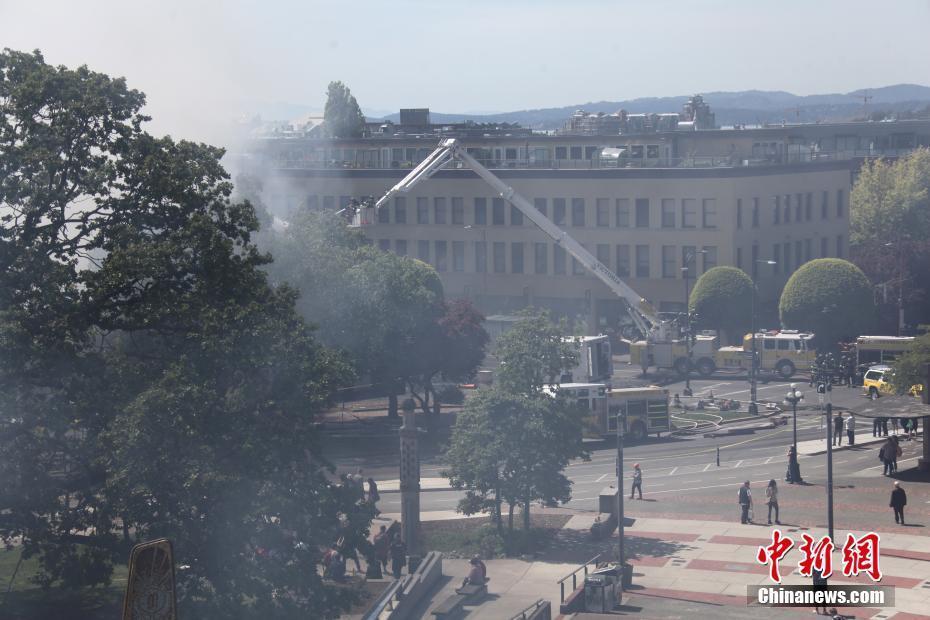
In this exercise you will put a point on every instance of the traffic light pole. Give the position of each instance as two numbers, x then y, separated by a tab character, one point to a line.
621	422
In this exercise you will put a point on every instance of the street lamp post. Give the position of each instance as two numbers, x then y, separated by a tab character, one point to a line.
793	398
754	364
621	422
689	340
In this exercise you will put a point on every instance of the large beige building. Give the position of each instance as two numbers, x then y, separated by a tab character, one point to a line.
646	205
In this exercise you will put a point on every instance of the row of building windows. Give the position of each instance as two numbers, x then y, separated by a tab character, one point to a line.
800	204
623	259
607	213
510	257
617	213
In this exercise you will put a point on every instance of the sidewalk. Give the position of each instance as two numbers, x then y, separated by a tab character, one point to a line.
815	447
697	565
426	484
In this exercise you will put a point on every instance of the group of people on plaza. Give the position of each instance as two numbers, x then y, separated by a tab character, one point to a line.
848	424
384	548
909	425
841	368
744	498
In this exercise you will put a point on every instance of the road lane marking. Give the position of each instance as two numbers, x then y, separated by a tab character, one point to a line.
601	478
768	460
673	471
706	467
738	463
713	486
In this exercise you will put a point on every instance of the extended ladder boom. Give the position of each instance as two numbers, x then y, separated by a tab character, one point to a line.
640	311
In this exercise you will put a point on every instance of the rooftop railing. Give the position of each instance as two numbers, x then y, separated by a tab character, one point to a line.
733	161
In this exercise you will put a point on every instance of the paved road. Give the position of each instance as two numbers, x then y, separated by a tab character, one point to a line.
681	477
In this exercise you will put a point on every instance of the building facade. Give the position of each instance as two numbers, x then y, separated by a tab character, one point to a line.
669	207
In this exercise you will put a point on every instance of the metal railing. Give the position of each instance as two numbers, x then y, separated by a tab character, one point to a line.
806	155
529	611
574	577
386	599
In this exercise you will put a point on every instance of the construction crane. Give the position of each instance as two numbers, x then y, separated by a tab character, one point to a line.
643	315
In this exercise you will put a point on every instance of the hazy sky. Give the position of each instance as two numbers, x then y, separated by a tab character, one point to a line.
202	63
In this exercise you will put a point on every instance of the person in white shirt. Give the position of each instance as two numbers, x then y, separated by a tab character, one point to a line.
851	429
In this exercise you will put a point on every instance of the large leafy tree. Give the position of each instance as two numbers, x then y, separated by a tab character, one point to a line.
830	297
889	229
152	382
533	353
387	312
342	118
512	443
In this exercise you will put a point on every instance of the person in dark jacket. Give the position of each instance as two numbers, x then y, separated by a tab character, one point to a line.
745	502
886	454
398	556
838	430
898	502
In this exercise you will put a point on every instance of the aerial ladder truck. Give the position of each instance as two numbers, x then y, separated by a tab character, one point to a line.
657	333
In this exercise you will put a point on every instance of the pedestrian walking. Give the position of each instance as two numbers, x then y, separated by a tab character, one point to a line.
851	429
771	498
886	455
373	495
398	556
382	544
906	427
914	428
745	503
838	429
876	427
637	481
894	425
820	584
884	427
898	502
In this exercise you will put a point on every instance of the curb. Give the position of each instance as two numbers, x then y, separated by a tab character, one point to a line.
431	490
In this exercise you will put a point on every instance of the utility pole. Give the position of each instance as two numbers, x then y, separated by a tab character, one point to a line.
689	338
409	481
621	422
830	469
754	364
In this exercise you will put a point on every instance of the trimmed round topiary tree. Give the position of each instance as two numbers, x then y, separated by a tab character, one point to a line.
722	300
830	297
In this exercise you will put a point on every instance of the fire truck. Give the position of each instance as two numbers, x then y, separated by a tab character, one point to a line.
643	410
779	352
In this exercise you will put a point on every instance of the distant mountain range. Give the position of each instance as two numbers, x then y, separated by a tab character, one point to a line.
748	107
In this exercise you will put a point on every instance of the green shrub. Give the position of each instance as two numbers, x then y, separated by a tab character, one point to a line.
830	297
722	300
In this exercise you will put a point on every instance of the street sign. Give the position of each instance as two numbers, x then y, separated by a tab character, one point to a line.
150	593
